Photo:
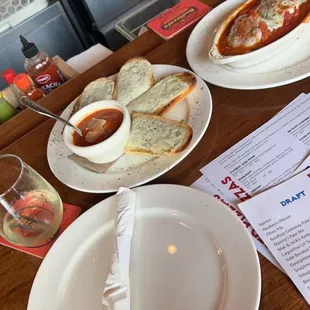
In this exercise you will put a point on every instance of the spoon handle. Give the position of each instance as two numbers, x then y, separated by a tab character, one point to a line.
39	109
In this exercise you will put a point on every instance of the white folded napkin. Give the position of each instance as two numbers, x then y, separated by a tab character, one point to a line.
89	58
116	294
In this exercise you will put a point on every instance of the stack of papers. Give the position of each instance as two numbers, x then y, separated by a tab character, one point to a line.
268	156
281	216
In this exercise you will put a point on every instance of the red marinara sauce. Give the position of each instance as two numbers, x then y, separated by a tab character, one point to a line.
114	120
291	21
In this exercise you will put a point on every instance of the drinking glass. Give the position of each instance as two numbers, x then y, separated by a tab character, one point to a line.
30	208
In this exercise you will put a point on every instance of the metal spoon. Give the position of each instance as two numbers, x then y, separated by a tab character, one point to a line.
39	109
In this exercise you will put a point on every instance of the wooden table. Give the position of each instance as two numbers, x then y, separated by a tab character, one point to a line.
235	115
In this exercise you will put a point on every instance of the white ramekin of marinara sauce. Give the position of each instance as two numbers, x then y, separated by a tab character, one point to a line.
110	145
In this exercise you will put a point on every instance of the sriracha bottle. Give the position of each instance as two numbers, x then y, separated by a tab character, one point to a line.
41	67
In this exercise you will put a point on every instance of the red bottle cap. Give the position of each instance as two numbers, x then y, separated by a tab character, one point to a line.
8	75
22	81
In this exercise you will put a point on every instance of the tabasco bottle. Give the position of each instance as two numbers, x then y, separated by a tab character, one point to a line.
23	83
41	67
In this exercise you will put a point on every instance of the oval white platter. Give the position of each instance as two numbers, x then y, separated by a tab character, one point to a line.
291	65
132	170
188	252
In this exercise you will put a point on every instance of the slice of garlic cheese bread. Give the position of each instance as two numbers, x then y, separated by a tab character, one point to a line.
156	135
134	78
165	94
100	89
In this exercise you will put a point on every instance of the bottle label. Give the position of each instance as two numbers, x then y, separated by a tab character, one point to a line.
43	79
51	80
49	87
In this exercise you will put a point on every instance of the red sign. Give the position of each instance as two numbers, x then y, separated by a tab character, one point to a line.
174	20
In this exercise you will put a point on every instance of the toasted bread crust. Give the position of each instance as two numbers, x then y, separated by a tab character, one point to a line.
187	140
187	77
114	96
153	82
76	106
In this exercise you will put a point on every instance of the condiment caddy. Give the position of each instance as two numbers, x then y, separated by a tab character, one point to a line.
66	70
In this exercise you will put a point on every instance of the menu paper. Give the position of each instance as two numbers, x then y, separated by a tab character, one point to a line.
281	216
266	157
116	294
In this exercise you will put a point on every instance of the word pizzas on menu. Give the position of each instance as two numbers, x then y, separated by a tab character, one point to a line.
241	195
238	191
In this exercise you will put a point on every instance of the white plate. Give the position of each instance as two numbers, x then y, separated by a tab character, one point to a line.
189	252
291	65
132	170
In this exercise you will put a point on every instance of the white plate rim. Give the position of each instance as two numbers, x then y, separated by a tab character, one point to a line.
184	154
196	33
100	210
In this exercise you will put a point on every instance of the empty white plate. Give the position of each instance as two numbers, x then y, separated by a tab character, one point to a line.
189	253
